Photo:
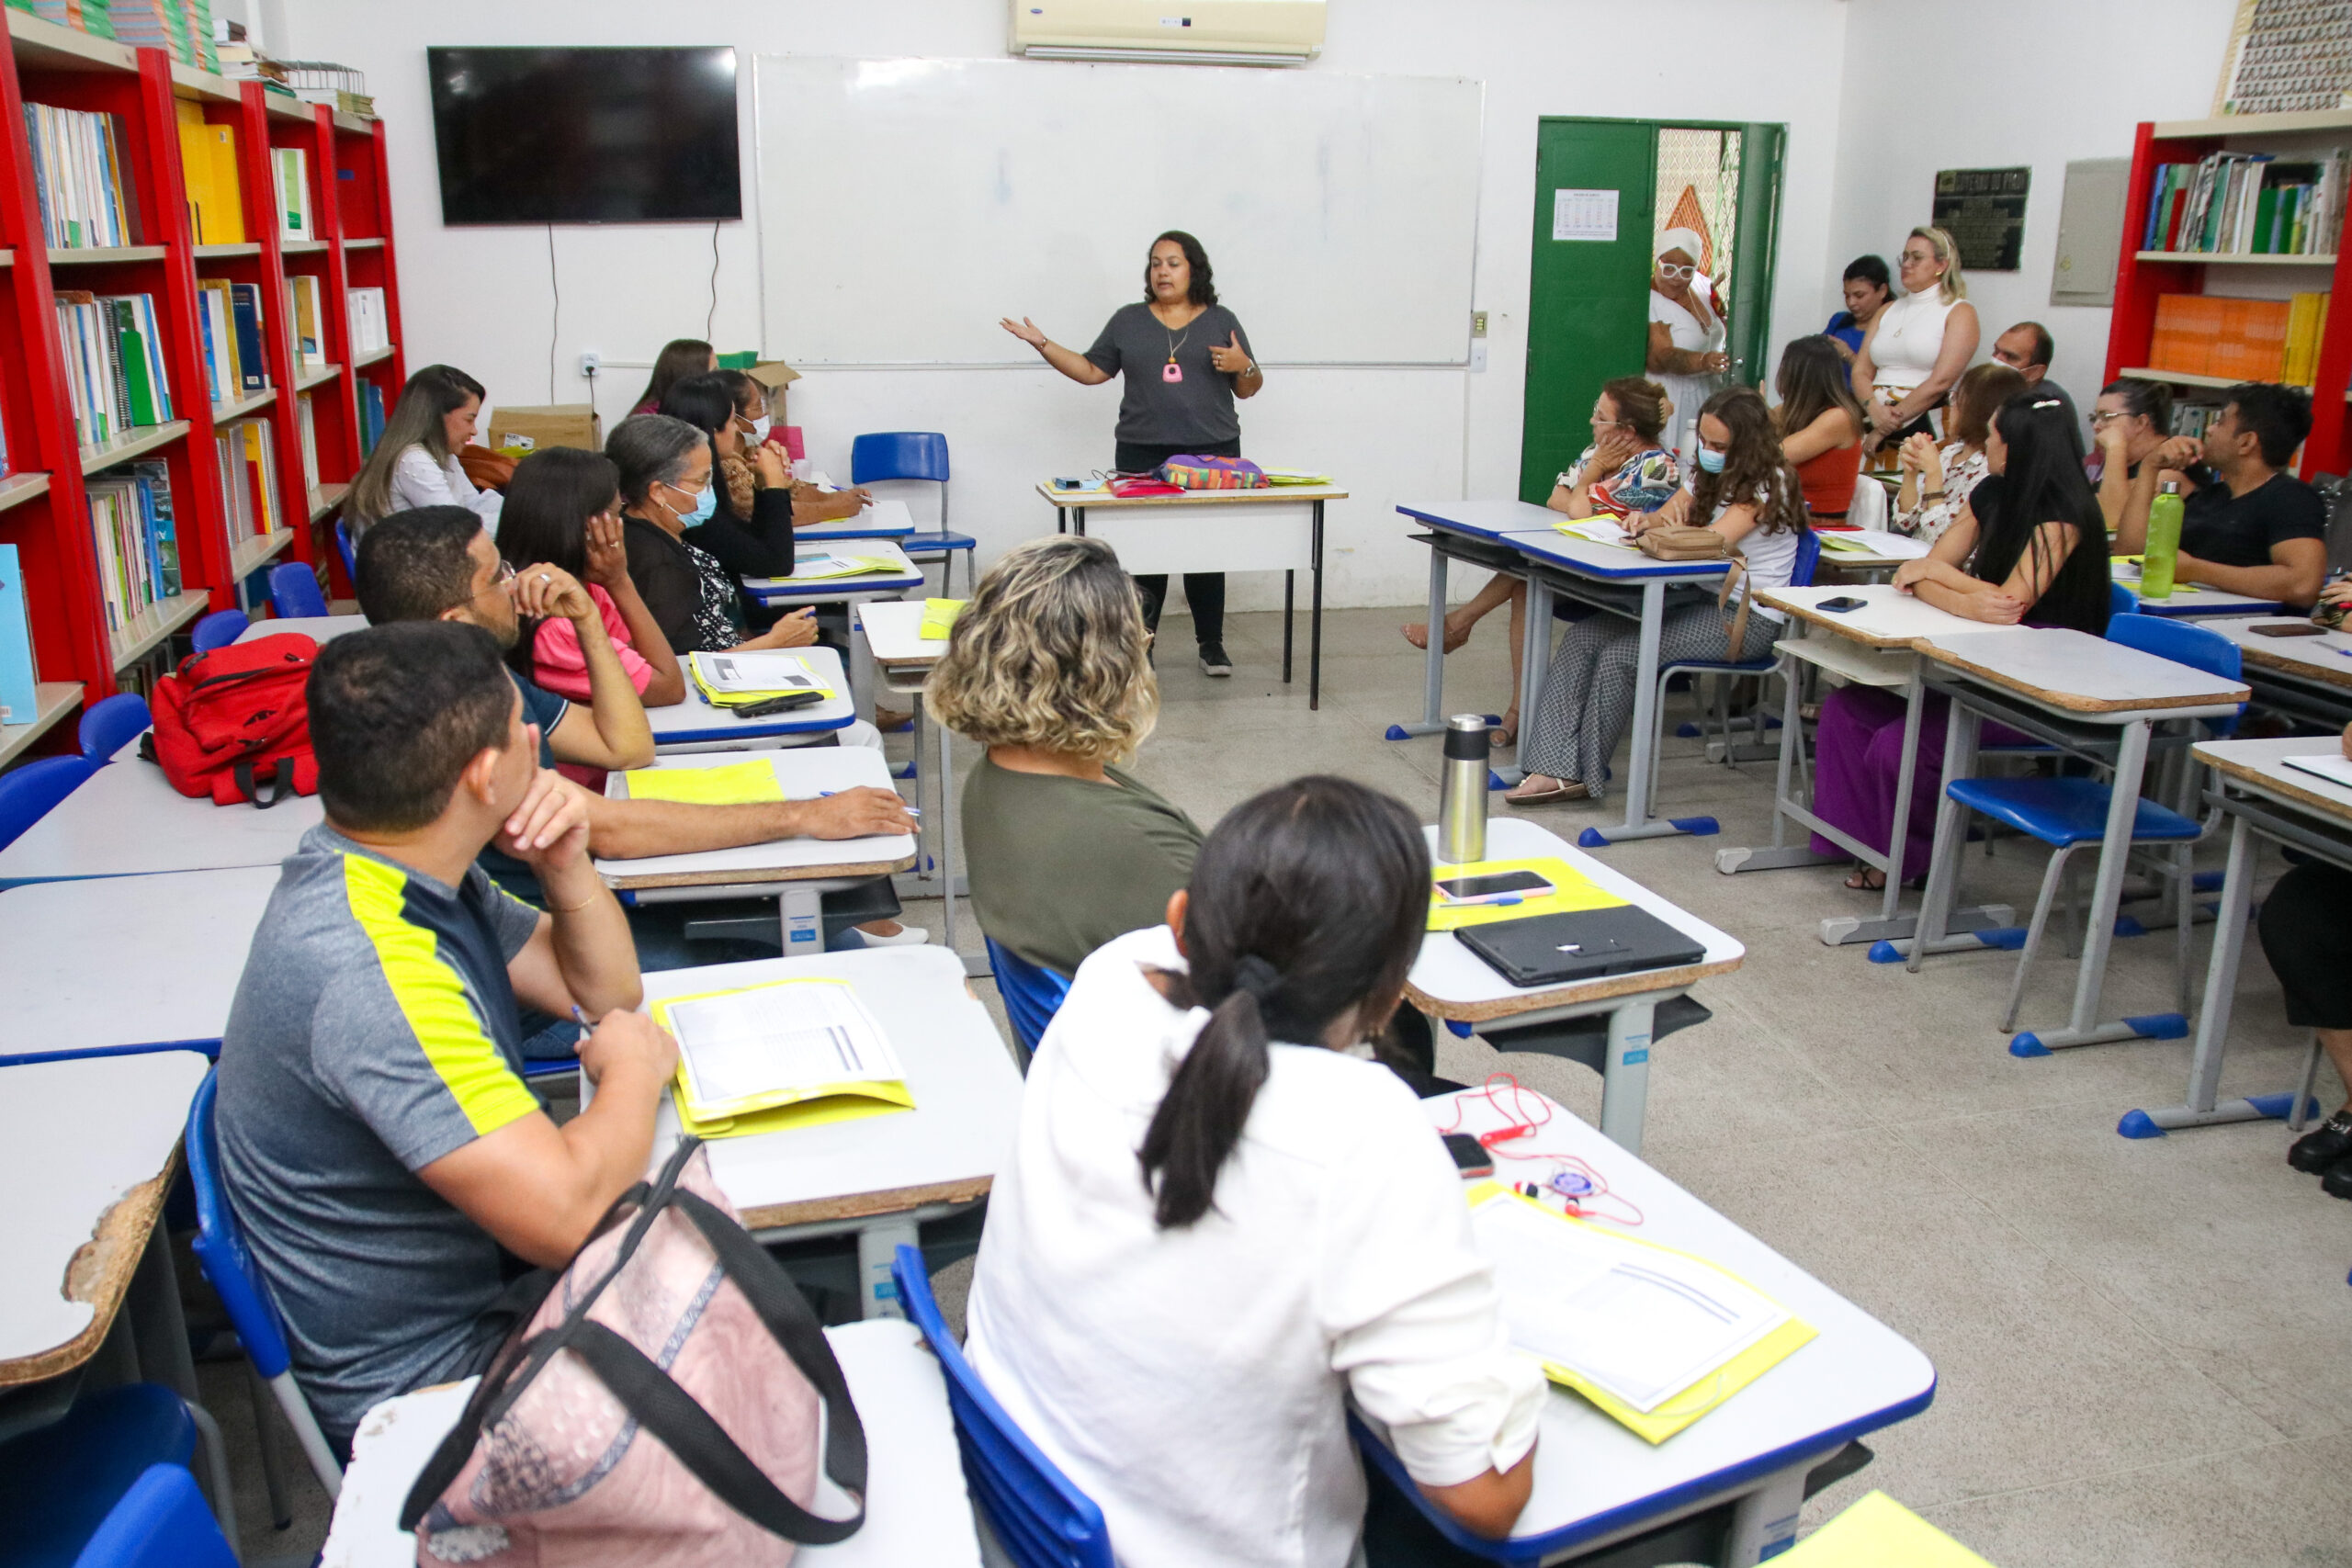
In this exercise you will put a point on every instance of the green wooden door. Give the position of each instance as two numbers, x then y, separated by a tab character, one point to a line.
1587	316
1759	244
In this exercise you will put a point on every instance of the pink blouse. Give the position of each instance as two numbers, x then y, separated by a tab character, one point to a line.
557	664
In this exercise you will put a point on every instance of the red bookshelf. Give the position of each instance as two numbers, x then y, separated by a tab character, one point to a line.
2142	275
43	505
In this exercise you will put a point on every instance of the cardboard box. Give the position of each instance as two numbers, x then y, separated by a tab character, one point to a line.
515	431
772	374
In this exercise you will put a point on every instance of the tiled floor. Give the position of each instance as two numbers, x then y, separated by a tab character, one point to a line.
2142	1345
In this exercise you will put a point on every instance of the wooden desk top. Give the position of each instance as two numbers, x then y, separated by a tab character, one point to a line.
2261	766
2326	658
2076	672
1091	499
804	772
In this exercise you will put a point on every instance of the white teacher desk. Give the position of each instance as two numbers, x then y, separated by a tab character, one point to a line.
880	1177
2313	815
1596	1482
1450	982
125	820
916	1511
1279	528
66	948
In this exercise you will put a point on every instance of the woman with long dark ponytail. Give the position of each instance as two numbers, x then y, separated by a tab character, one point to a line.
1221	1220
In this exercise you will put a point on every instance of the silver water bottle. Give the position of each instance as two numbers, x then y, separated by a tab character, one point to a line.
1462	791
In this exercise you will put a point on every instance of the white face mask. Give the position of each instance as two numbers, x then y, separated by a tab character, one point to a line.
760	428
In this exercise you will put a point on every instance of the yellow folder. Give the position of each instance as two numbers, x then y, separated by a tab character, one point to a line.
822	568
1879	1533
800	1105
737	784
720	699
939	618
1575	891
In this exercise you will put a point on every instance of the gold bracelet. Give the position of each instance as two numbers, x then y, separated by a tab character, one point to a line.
572	909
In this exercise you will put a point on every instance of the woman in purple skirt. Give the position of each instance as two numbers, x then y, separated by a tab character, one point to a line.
2030	548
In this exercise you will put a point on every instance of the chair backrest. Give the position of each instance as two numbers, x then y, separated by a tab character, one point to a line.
219	629
899	454
1808	559
1031	994
106	725
2183	642
2120	600
294	590
2336	492
1040	1520
26	793
342	547
160	1522
1869	508
219	1245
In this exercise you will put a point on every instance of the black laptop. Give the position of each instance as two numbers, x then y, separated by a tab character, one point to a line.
1579	944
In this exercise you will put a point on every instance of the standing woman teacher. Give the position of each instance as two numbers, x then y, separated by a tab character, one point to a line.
1186	360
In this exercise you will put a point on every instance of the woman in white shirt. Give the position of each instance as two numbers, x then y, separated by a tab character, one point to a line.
1687	335
415	462
1917	346
1220	1222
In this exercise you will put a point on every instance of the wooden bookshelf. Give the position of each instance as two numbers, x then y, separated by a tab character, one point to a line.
2143	276
44	507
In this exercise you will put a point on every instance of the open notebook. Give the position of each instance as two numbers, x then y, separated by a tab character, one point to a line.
2335	767
787	1054
1655	1337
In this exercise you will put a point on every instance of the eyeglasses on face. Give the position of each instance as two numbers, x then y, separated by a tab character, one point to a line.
1670	271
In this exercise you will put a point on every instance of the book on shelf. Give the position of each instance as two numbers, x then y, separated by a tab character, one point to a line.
290	167
82	178
370	326
216	202
130	519
2238	340
249	498
307	419
94	18
114	362
371	416
307	311
182	29
18	684
244	316
2248	203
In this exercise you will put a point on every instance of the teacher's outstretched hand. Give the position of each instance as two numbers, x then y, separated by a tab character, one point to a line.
1068	361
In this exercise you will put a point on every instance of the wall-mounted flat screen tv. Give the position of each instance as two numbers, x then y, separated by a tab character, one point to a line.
586	135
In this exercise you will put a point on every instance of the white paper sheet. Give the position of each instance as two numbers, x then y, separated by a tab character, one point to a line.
2336	768
779	1037
1599	531
1873	541
758	670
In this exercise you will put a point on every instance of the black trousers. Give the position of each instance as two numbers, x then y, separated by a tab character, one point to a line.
1203	590
2306	928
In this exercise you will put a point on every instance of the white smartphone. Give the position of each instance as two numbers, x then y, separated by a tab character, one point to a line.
1502	887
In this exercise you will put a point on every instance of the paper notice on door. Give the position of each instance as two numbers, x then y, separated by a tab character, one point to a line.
1584	215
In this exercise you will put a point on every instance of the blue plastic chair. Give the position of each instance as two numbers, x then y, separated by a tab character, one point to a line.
916	454
294	590
1031	994
2069	813
59	1484
108	726
2122	601
342	547
1801	573
219	629
160	1523
27	793
1040	1520
219	1247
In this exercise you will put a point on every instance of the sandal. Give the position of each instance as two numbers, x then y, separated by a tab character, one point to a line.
1505	734
1860	881
1417	634
1538	789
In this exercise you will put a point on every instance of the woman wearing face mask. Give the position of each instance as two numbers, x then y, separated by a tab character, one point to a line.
1687	335
757	465
754	541
1919	346
1183	361
667	490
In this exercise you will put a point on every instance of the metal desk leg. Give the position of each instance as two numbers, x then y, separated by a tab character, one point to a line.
802	909
1764	1522
159	1335
1961	732
1290	618
2107	893
1314	619
1782	855
2213	1018
946	808
1432	717
1534	663
877	1248
1638	823
1625	1074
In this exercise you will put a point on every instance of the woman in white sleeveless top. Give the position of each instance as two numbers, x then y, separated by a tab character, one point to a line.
1687	333
1917	346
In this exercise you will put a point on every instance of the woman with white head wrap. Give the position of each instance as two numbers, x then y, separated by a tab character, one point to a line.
1687	333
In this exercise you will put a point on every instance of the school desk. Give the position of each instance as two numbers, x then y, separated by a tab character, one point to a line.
696	724
895	577
887	519
894	633
2308	678
1279	528
1471	532
126	820
320	629
2186	603
1451	983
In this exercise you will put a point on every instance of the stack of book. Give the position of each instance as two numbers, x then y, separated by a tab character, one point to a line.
370	329
291	167
235	57
216	200
2248	203
114	362
309	332
229	321
2239	340
248	479
93	17
139	558
183	28
371	416
80	176
307	419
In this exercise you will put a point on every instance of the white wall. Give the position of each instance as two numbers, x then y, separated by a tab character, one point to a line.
479	298
2018	81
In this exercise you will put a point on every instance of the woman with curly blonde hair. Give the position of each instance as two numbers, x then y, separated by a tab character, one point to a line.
1048	668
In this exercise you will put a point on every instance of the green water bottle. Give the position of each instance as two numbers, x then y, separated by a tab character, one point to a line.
2164	543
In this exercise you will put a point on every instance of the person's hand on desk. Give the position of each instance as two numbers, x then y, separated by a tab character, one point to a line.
830	508
797	629
1997	608
630	1042
1911	573
864	812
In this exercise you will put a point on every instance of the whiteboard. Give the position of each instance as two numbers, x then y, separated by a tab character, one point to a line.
905	205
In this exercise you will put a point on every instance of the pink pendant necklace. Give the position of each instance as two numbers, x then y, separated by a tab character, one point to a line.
1171	371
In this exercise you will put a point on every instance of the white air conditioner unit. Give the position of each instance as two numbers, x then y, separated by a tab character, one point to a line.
1200	32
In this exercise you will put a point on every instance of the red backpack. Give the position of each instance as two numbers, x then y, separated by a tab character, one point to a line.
235	724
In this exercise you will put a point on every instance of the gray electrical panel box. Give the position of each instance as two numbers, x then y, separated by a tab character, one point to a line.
2090	231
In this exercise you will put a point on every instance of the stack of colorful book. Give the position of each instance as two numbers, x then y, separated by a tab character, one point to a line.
81	178
2248	203
130	517
114	362
2239	340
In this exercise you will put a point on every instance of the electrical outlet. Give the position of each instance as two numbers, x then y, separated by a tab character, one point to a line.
1477	323
591	362
1478	357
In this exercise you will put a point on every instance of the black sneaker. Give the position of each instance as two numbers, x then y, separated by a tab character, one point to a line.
1214	660
2338	1182
2323	1146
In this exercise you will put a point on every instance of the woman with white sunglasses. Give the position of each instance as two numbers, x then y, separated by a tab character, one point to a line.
1687	335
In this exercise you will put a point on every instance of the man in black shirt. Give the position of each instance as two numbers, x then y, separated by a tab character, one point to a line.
2248	526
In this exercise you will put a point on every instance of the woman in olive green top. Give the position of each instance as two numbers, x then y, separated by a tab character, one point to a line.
1048	668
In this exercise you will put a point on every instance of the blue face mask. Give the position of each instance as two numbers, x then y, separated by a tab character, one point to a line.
706	506
1710	462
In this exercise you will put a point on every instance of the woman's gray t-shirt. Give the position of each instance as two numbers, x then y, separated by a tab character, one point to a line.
1158	412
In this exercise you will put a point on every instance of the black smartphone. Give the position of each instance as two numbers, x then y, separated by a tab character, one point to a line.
2289	629
1470	1156
785	703
1843	603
